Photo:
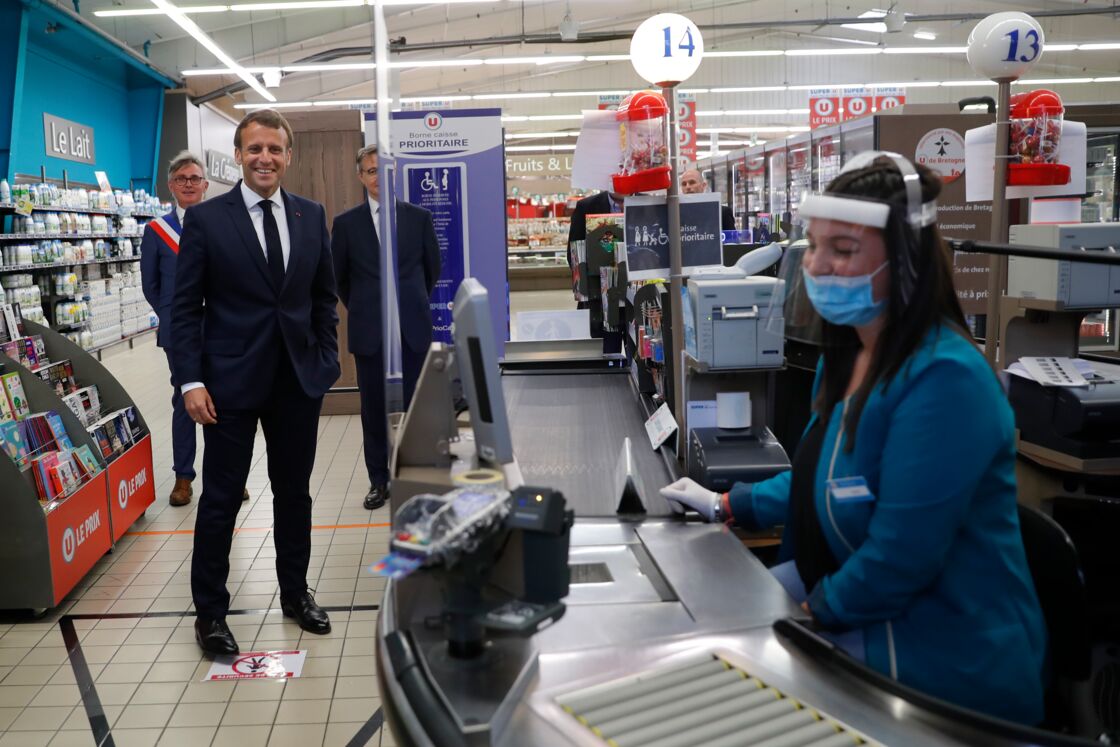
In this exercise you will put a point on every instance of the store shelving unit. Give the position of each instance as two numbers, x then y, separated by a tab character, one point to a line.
537	254
45	550
47	300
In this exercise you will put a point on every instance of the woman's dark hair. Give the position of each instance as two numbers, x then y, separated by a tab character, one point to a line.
933	301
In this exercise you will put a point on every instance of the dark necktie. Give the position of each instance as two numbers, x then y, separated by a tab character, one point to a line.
272	247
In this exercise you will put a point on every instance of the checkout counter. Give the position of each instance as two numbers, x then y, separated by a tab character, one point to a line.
669	629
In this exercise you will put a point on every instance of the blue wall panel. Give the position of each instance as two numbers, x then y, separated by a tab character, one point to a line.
12	31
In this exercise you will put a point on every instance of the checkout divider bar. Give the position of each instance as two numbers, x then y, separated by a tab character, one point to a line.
1101	255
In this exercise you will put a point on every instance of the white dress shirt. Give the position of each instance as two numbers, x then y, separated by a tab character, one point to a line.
179	213
374	209
256	214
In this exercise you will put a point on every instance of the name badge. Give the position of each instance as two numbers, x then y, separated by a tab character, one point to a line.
850	490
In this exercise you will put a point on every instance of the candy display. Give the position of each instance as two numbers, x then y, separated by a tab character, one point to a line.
1036	132
645	153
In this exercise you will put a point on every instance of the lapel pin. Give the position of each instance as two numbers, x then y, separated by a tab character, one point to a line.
299	214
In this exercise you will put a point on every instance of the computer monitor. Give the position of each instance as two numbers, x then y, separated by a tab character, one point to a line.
477	356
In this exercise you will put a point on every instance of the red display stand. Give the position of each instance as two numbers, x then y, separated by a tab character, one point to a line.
78	535
131	486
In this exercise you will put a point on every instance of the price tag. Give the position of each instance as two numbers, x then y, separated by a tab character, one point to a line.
103	181
23	206
660	426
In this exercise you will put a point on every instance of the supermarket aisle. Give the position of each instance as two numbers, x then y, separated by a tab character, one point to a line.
133	617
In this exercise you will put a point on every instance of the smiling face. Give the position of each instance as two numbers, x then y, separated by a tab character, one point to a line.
188	185
847	250
264	155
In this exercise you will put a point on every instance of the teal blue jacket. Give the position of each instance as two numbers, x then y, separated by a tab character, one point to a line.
933	570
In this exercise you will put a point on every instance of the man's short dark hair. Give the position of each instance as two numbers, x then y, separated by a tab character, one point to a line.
266	118
369	150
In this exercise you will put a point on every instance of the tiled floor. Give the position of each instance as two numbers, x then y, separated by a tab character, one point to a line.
148	670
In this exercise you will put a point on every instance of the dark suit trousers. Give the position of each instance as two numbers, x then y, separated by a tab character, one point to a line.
289	419
182	428
371	387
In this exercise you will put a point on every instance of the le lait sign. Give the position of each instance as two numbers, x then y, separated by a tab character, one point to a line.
68	140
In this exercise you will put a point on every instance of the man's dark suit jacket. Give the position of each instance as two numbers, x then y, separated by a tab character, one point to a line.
727	218
157	275
596	204
357	264
228	316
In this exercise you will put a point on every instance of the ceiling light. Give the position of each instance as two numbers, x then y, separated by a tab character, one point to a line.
1091	47
878	28
221	71
907	84
345	102
1050	81
192	28
534	135
692	90
926	50
607	57
833	51
188	9
747	89
490	96
745	53
297	5
591	93
962	83
553	117
273	105
925	35
272	77
1067	47
528	148
435	63
420	99
1107	80
547	60
513	118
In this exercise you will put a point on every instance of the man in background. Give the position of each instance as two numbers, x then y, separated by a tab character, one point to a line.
253	330
694	183
356	247
159	250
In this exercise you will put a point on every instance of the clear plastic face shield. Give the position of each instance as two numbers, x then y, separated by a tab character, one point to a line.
842	267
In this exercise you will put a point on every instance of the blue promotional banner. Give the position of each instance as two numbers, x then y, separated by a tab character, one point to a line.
441	157
441	189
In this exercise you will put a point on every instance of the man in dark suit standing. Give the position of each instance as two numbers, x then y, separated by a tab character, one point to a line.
254	340
356	246
158	251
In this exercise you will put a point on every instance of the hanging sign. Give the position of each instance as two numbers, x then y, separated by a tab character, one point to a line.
666	49
889	98
856	103
686	126
68	140
824	107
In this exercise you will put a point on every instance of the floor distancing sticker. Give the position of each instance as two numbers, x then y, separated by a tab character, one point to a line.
258	665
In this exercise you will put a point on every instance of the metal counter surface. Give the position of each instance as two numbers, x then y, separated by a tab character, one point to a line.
567	434
720	598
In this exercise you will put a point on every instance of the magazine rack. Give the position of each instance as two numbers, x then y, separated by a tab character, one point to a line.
45	550
130	476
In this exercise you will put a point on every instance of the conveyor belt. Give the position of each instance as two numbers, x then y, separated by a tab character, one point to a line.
567	434
706	701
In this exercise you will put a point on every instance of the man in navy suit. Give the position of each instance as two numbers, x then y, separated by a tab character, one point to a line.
254	340
356	246
158	251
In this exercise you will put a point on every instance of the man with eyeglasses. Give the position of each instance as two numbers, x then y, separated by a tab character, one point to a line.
159	250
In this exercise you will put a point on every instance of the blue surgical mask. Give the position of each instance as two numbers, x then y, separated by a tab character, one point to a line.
844	300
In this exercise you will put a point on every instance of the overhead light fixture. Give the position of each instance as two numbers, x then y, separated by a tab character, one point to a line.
186	10
1067	47
273	105
545	60
745	53
221	71
514	118
747	89
272	77
553	117
297	5
877	27
405	64
345	102
440	97
1051	81
834	51
925	35
533	135
607	57
591	93
530	148
490	96
926	50
200	36
1091	47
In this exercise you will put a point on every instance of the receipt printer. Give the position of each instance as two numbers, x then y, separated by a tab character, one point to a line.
1083	422
718	457
735	322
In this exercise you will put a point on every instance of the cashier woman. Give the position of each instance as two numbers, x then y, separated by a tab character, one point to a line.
901	529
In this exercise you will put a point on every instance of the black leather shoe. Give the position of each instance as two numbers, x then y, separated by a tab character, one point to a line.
376	497
214	637
310	616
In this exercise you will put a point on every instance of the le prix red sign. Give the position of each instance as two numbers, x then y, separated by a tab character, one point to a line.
830	106
131	487
78	535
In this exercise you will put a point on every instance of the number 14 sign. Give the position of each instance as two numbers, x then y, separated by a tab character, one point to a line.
666	49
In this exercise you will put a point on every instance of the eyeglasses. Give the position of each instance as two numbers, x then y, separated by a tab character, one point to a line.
182	181
371	172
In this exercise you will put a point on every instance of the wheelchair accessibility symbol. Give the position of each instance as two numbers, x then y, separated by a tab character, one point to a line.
436	182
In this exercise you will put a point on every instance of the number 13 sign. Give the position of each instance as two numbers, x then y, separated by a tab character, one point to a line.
1004	46
666	49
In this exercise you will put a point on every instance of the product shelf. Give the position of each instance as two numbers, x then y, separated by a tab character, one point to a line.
60	236
119	212
77	263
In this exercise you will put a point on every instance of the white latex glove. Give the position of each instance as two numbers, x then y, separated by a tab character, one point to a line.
686	493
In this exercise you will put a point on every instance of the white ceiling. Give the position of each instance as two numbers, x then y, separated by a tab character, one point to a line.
496	29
